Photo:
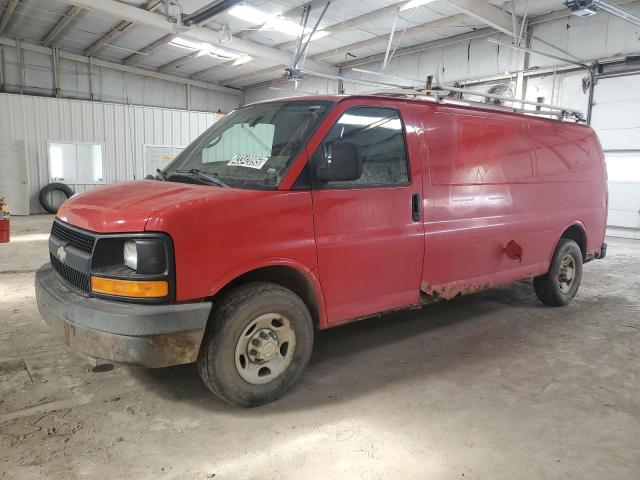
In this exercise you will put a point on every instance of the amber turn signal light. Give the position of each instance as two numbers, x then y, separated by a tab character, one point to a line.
130	288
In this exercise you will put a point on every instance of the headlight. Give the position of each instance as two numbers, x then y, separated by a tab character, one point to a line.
130	254
145	255
134	266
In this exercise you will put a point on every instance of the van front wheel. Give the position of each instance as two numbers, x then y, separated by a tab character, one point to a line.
258	343
560	284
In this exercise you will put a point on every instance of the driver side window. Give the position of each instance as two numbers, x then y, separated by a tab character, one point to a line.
378	134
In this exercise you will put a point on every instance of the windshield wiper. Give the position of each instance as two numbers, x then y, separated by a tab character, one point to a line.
162	174
204	175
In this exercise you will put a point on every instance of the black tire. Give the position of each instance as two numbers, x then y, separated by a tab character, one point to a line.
548	286
232	315
47	189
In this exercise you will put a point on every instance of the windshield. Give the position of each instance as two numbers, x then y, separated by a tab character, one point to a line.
251	147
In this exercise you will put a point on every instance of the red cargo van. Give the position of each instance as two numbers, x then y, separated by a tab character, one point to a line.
305	213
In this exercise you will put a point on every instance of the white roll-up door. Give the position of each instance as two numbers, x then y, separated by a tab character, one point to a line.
616	119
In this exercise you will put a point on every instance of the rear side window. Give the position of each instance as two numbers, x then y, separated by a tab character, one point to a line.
379	135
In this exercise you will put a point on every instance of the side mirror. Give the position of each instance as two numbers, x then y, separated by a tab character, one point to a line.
346	163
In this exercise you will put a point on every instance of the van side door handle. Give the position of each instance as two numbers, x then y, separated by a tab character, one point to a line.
415	207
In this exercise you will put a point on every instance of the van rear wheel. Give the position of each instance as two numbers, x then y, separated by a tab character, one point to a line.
560	284
258	343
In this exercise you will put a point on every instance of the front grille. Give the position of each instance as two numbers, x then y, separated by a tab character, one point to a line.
74	238
74	277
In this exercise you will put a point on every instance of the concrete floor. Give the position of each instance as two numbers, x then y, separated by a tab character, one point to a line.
491	386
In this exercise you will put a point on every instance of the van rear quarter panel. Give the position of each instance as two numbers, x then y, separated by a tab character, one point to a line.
572	179
496	177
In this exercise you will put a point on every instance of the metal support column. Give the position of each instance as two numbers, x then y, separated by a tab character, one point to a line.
55	58
91	96
1	70
20	65
526	63
593	72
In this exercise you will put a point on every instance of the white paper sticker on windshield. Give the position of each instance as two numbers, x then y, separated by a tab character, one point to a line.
250	161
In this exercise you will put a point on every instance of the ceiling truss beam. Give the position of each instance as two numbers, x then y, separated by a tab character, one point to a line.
293	15
62	26
182	61
485	32
388	11
248	76
116	31
214	9
7	14
482	11
206	13
486	13
289	15
382	39
203	34
149	49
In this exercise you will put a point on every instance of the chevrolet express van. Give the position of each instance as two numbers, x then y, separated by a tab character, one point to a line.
306	213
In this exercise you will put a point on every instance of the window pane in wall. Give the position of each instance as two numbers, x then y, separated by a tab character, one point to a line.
76	163
157	157
63	165
623	166
89	159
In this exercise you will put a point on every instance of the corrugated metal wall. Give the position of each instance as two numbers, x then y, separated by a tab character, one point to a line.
106	85
124	129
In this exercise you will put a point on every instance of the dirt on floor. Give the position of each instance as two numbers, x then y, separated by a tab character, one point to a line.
495	385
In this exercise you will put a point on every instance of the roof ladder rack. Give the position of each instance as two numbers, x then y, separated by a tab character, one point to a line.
435	90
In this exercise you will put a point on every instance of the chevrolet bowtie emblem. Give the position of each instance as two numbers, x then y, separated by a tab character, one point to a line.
62	253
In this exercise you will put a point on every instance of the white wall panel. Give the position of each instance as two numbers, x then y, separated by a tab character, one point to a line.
107	85
565	90
588	38
124	129
308	86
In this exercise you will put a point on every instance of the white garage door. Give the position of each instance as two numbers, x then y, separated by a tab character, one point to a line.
617	121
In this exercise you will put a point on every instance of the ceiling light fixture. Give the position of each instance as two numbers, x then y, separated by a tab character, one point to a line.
181	42
275	23
224	35
414	3
204	48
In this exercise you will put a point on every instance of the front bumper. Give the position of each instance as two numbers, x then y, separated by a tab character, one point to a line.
144	335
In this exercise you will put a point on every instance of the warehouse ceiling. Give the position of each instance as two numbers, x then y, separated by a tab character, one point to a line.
262	33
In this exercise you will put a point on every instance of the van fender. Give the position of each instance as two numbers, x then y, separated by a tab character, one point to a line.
310	274
575	223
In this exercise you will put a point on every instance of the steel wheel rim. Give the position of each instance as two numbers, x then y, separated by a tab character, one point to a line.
566	273
265	348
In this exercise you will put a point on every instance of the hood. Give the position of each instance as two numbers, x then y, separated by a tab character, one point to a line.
126	207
